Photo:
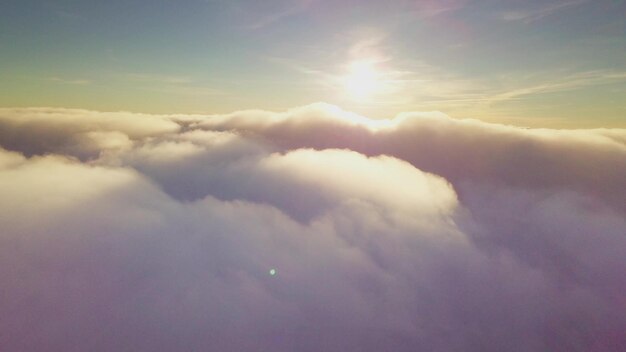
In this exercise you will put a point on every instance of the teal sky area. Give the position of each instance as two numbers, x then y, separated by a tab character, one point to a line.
534	63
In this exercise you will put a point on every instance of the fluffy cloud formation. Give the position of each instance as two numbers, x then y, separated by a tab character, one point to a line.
135	232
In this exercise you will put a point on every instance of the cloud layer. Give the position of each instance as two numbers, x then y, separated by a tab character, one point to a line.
136	232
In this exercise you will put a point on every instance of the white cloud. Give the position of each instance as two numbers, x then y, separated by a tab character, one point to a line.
123	231
531	15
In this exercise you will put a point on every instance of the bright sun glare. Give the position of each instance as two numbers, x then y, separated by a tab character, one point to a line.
363	79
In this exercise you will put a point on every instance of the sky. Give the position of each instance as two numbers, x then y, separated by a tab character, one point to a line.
557	63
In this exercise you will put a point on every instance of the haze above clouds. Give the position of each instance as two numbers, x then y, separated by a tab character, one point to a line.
125	231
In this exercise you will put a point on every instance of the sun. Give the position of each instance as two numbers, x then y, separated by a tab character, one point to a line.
363	80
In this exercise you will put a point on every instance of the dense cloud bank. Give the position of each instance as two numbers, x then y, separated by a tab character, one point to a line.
129	232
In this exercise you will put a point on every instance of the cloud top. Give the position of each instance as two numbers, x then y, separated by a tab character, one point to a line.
124	231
